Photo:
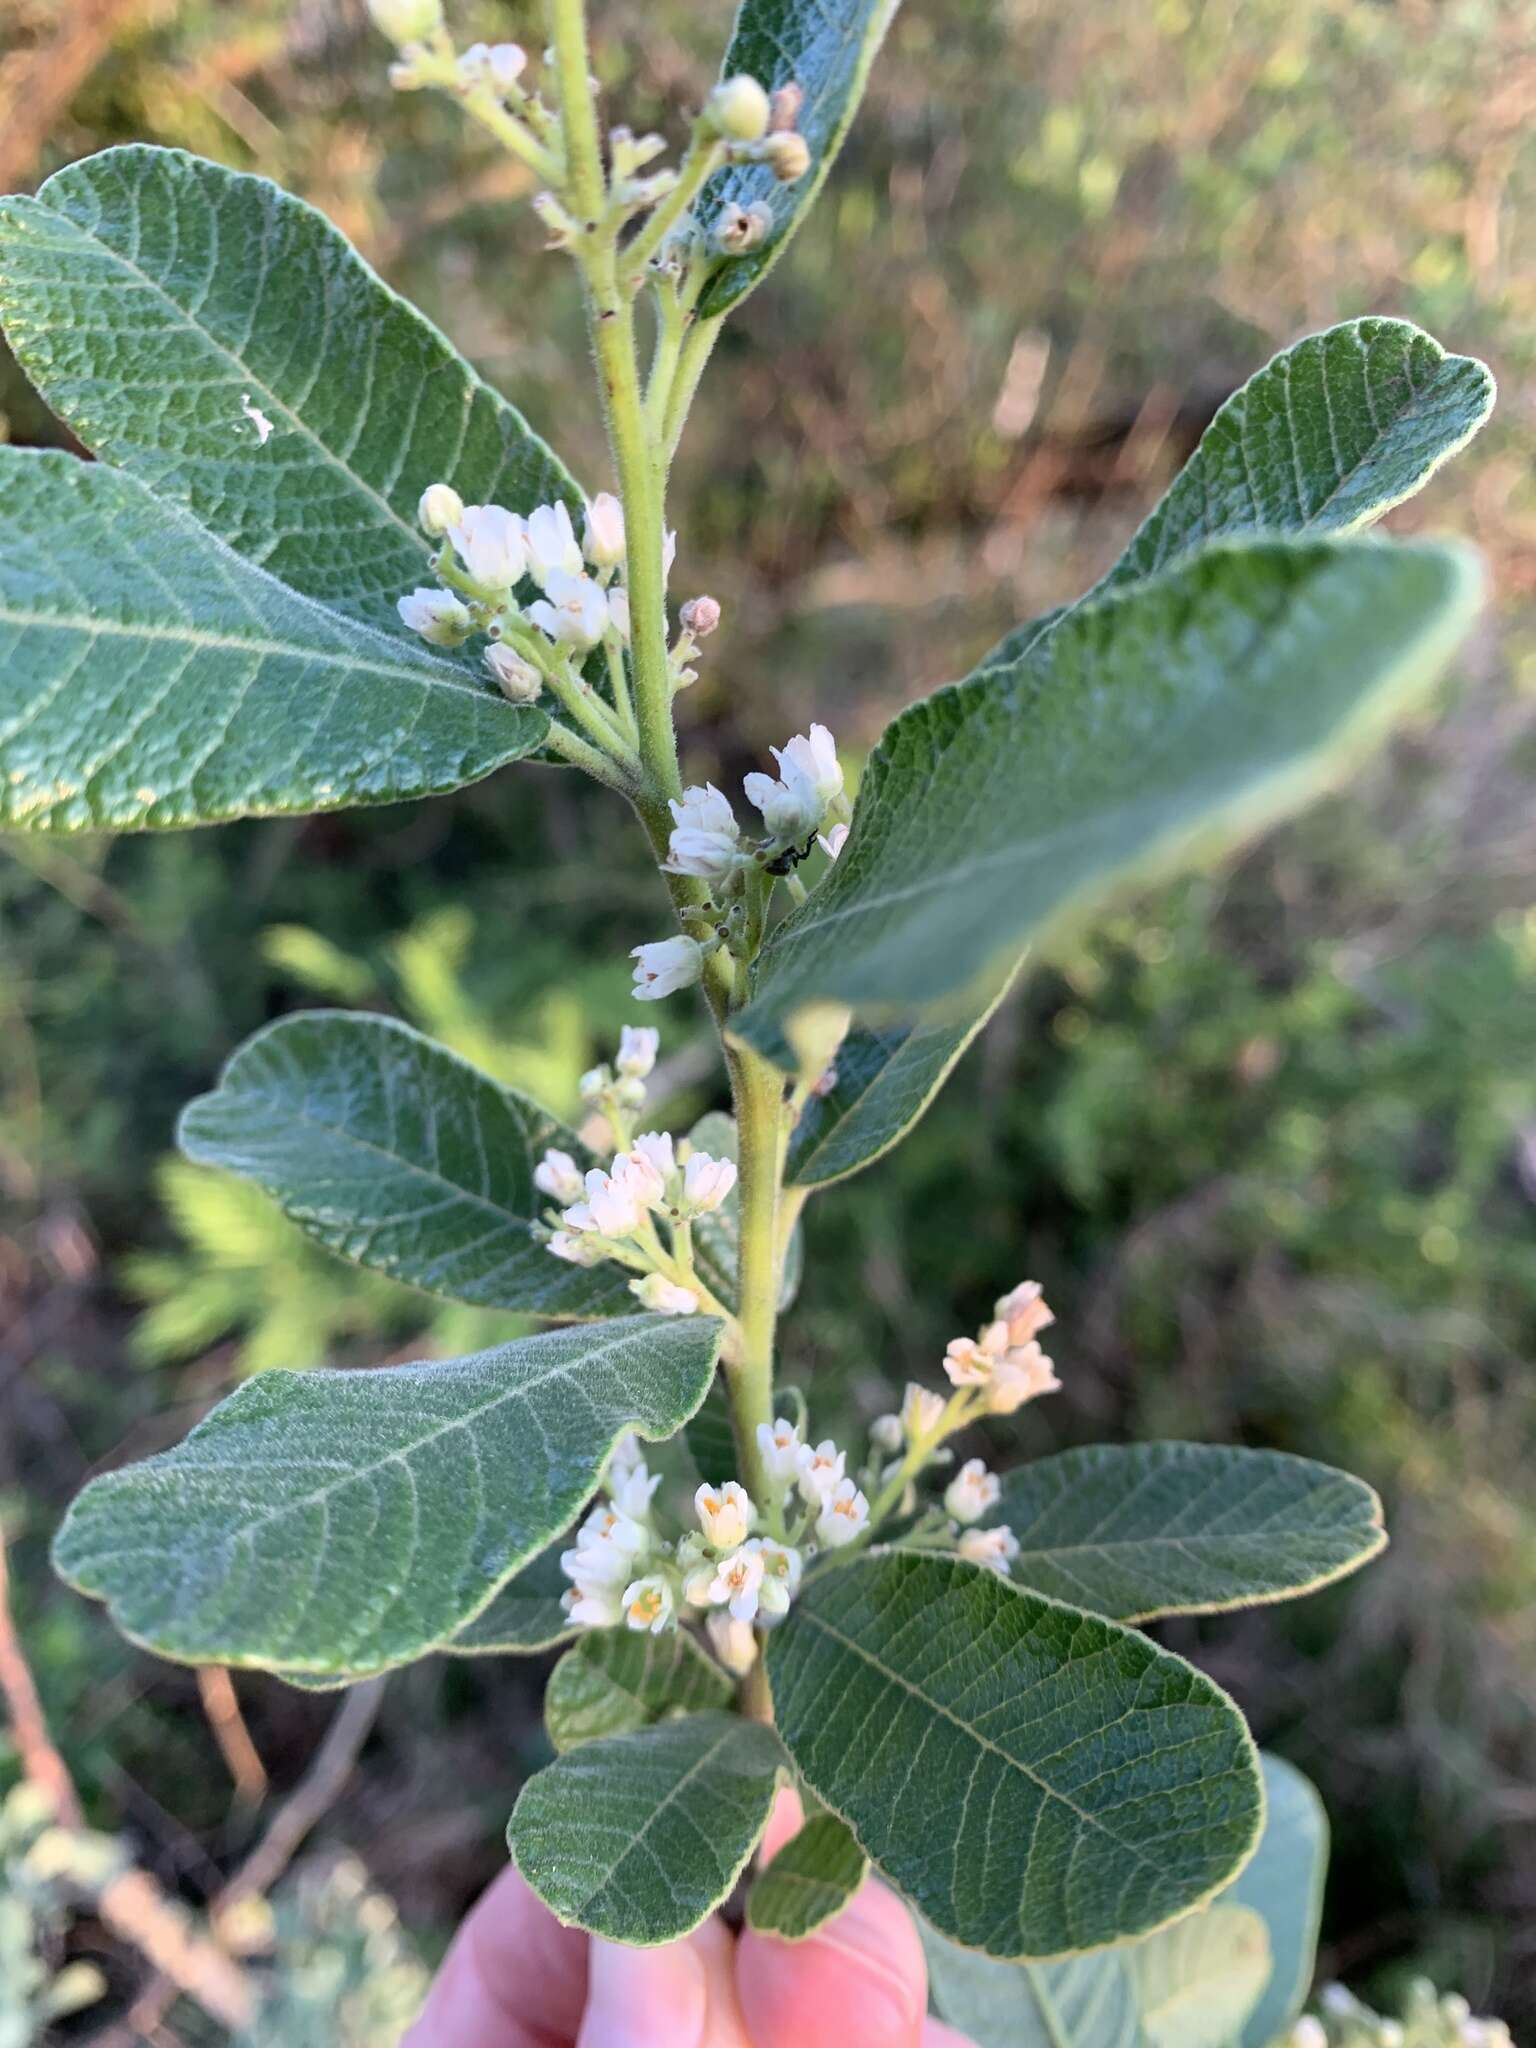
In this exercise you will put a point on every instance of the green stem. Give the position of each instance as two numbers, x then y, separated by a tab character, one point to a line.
690	368
758	1088
706	153
562	741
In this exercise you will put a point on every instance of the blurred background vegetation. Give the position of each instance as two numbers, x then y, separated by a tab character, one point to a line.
1268	1137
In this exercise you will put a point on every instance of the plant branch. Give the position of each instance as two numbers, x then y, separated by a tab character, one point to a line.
40	1760
758	1088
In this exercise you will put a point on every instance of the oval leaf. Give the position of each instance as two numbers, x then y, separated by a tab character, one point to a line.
617	1680
1198	1981
393	1152
812	1878
1035	1779
826	47
1086	2002
640	1837
158	302
1176	715
1138	1530
1284	1883
344	1522
149	677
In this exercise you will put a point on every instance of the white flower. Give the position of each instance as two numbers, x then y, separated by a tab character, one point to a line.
638	1047
656	1148
1308	2033
573	612
781	1446
649	1605
436	615
602	1607
438	508
488	540
705	835
638	1175
594	1084
833	842
725	1513
733	1642
972	1491
737	1584
602	536
814	756
665	966
844	1515
578	1250
1021	1376
611	1208
608	1547
819	1471
921	1412
886	1433
706	1183
618	609
790	806
508	62
664	1296
630	1484
781	1578
552	545
738	109
967	1363
995	1548
1024	1311
518	680
558	1176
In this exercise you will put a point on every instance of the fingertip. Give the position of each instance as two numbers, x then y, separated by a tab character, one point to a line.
784	1823
937	2035
858	1982
682	1995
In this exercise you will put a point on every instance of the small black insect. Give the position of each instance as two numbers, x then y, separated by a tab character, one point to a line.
791	857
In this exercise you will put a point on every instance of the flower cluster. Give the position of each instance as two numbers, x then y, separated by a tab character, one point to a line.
613	1212
1005	1358
488	552
707	844
1430	2020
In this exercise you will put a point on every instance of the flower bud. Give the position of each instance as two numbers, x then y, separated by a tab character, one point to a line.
665	966
886	1433
740	228
726	1514
664	1296
732	1642
994	1548
436	615
784	106
406	21
738	109
518	680
507	63
700	616
438	508
558	1176
972	1491
788	156
603	535
638	1047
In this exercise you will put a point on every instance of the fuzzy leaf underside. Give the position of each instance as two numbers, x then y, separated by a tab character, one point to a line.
340	1523
151	678
1155	723
151	295
617	1680
1284	1883
1134	1531
1036	1780
392	1152
826	47
810	1880
639	1837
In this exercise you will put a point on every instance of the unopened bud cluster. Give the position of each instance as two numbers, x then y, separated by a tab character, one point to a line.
653	1184
1430	2019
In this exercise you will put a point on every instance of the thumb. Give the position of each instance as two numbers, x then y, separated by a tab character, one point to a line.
680	1996
858	1982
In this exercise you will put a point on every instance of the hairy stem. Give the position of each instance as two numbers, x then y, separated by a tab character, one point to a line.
758	1088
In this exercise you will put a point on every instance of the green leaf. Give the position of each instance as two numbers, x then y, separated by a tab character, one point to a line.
150	296
885	1081
1324	439
1197	1981
812	1877
149	677
1170	718
1284	1883
617	1680
826	47
1138	1530
1035	1779
523	1617
711	1440
336	1522
639	1837
393	1152
1086	2002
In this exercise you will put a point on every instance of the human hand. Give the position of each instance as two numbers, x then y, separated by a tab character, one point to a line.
515	1978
